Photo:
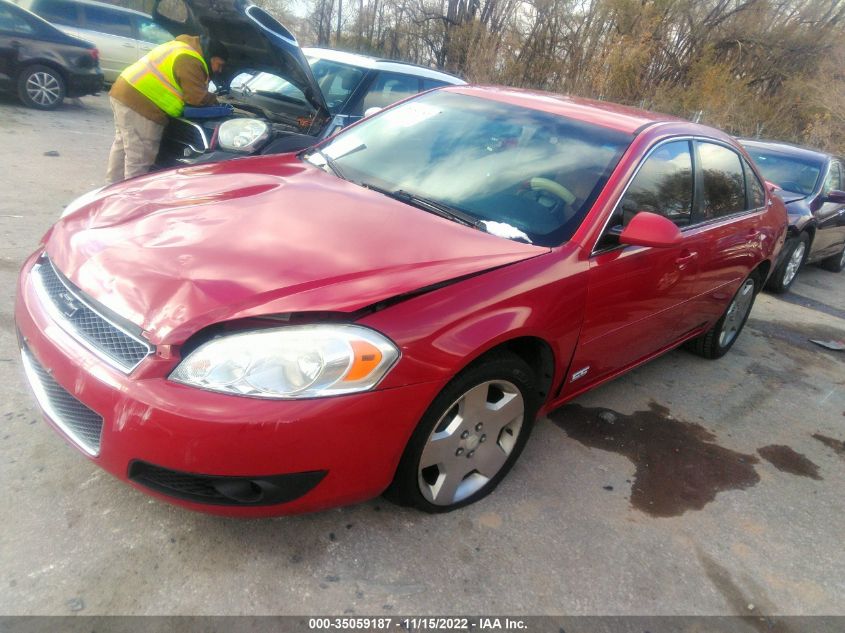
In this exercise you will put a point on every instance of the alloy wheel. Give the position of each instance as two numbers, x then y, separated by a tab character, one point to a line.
471	442
794	263
43	88
737	311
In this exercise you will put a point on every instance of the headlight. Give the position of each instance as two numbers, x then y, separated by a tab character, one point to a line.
306	361
81	201
242	135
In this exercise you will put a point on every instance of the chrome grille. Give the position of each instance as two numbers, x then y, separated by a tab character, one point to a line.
71	310
80	423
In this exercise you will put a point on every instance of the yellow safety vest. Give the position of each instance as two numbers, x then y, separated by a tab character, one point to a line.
152	76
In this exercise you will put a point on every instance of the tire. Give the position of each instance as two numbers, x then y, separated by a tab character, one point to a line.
450	460
795	255
41	87
834	263
716	342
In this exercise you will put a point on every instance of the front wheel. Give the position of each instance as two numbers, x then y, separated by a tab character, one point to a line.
41	87
716	342
794	256
470	436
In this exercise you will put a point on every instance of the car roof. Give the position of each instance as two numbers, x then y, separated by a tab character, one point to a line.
376	63
93	3
786	149
605	114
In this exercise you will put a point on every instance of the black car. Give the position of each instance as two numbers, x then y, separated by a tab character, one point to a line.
42	64
284	98
812	184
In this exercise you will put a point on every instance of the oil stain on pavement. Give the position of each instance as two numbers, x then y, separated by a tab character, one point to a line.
789	461
678	467
838	446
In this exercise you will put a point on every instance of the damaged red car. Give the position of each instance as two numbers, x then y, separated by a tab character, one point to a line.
390	311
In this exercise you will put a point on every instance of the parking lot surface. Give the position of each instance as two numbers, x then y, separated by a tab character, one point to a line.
685	487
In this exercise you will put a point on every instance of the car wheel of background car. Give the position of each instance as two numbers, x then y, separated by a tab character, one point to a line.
41	87
795	253
835	263
716	342
470	436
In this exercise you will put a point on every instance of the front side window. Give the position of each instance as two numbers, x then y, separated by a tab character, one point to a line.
517	172
663	185
107	21
834	178
389	88
723	181
149	31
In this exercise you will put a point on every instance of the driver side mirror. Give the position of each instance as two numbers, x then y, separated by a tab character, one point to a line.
835	196
650	229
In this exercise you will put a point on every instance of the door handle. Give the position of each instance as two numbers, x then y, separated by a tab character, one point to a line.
15	44
686	258
128	45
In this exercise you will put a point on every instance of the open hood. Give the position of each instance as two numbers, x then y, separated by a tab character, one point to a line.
255	39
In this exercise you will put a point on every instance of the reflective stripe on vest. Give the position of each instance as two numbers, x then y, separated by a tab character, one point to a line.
153	77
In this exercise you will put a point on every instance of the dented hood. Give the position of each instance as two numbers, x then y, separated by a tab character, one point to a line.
178	251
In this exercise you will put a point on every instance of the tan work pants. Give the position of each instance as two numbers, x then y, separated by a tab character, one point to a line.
136	142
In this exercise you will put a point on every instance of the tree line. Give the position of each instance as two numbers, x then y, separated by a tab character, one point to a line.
758	68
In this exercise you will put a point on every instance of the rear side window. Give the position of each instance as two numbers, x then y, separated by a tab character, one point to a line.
756	193
57	12
108	21
723	181
663	185
12	22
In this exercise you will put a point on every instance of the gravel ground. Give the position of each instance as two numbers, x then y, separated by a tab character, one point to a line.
590	521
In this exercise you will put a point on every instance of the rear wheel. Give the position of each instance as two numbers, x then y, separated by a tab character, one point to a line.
835	263
795	252
470	436
716	342
41	87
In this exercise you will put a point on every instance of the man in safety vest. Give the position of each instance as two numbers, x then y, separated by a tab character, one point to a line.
155	87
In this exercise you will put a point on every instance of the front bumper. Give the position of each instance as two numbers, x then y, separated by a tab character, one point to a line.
320	453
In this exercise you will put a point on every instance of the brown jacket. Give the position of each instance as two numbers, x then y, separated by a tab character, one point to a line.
189	74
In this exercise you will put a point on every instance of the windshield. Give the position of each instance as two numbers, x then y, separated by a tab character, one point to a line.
521	173
787	172
336	81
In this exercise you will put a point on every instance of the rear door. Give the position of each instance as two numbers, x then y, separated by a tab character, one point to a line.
637	296
830	232
728	223
14	33
113	32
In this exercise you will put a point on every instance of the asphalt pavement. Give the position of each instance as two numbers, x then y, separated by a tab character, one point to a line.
685	487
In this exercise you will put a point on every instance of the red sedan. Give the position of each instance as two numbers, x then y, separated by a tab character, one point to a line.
389	312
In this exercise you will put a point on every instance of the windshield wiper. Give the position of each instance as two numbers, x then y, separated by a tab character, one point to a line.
427	204
330	163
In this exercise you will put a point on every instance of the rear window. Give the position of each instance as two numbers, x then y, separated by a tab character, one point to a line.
792	173
108	21
57	12
11	21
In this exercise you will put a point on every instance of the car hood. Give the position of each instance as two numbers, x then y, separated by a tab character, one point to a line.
178	251
254	38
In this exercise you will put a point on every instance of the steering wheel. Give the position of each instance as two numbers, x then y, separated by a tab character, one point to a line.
790	186
556	189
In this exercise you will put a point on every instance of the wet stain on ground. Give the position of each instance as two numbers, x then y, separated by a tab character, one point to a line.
813	304
838	446
678	467
789	461
797	337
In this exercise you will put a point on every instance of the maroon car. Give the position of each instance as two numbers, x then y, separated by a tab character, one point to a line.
391	310
811	184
